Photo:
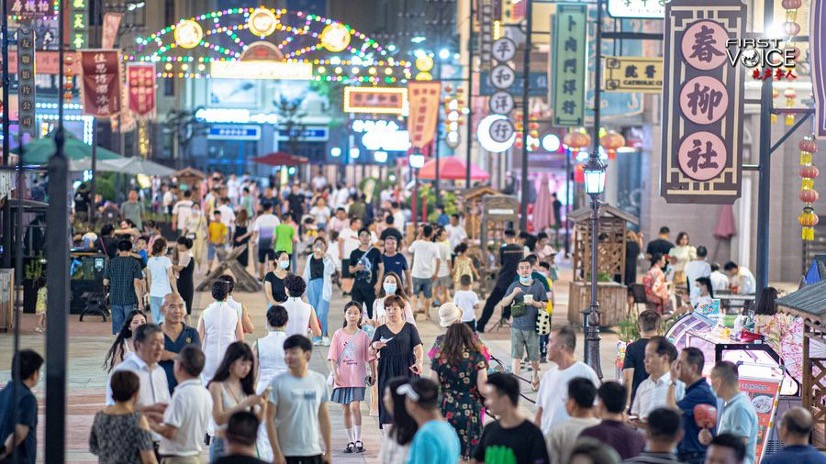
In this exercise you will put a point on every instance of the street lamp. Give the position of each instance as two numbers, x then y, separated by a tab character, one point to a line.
416	162
594	186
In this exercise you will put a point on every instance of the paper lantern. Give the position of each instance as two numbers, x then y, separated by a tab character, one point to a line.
808	144
576	141
809	196
791	4
808	219
809	172
611	142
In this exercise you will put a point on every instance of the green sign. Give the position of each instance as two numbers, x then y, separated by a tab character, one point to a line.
568	64
79	24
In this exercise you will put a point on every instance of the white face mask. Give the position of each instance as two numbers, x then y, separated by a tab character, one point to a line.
284	264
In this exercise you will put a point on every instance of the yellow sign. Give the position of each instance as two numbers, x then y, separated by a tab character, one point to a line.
335	37
261	70
188	34
262	22
633	74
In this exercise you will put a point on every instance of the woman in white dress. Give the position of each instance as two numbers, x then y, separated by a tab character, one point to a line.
218	327
161	279
269	351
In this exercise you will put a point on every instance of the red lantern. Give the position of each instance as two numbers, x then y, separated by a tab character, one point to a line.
808	144
791	28
576	141
791	4
809	172
809	196
611	142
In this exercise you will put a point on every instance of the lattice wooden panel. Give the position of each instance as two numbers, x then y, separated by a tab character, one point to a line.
813	389
611	249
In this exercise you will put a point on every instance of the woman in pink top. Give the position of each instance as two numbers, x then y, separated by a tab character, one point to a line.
349	357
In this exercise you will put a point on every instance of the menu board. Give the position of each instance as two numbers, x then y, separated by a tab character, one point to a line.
763	394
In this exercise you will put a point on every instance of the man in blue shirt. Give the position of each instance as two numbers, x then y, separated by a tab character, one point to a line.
436	441
738	416
19	390
795	428
689	369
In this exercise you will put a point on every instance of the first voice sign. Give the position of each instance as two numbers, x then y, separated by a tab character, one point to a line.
767	53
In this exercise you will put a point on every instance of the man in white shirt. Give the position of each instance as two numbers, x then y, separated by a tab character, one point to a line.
740	277
263	234
456	233
696	269
582	394
399	220
553	389
719	281
424	270
187	416
227	215
653	391
181	212
348	241
154	391
233	188
168	199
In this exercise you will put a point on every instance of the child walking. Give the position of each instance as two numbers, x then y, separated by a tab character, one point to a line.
463	265
349	358
467	300
40	306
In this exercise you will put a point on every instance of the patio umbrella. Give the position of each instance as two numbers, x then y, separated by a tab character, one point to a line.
133	166
280	158
451	168
725	228
543	209
39	151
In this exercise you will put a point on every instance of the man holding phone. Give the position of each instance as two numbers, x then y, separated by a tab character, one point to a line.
525	298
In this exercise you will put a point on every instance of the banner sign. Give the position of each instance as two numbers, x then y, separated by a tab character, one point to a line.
79	25
633	74
140	80
424	111
569	47
276	70
763	394
101	82
703	96
485	34
111	24
31	9
651	9
817	55
46	62
379	100
25	77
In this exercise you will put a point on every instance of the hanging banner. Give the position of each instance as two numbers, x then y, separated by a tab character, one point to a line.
817	55
633	74
569	47
763	394
100	91
140	80
79	24
485	34
703	96
26	85
424	111
111	24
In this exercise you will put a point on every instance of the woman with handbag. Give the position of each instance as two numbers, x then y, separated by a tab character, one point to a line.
349	357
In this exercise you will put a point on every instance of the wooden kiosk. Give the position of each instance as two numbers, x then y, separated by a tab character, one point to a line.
611	252
487	216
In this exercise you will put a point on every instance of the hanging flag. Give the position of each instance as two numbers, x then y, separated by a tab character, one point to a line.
26	84
140	80
111	24
424	112
817	54
101	82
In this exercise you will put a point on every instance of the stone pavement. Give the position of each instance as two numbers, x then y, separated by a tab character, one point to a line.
90	340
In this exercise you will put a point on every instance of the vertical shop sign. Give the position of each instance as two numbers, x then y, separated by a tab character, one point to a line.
569	47
702	125
25	75
79	26
101	82
817	55
140	80
424	111
485	33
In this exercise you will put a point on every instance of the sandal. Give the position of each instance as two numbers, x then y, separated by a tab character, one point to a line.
359	446
351	448
535	384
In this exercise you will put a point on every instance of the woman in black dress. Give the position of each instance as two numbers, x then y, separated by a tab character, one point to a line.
399	348
274	280
186	271
242	236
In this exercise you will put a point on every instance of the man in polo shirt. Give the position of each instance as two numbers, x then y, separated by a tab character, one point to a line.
185	420
125	281
664	431
689	370
795	429
154	392
652	392
176	335
738	416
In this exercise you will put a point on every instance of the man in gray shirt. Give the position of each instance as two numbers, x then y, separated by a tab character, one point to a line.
526	297
297	412
133	209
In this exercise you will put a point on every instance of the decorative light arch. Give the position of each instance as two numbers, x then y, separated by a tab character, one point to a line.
337	51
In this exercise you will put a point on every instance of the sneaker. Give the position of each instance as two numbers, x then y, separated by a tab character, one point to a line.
351	448
359	446
325	341
317	342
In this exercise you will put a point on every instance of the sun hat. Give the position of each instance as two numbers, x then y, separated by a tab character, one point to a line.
449	314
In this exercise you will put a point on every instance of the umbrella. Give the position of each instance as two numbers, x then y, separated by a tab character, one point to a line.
39	151
281	158
543	209
451	168
190	172
132	166
724	229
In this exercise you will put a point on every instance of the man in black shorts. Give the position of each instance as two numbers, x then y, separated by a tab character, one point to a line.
264	236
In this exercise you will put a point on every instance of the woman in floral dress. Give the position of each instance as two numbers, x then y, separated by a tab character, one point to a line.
461	371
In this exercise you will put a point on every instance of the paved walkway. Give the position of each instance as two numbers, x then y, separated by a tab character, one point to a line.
90	340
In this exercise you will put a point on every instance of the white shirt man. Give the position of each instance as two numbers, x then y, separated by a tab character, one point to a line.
182	210
154	387
653	391
696	269
425	258
189	412
719	281
227	216
456	234
400	221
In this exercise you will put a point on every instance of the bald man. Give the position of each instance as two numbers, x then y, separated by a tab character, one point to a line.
795	428
176	335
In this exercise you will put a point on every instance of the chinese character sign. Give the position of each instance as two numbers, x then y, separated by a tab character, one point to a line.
31	9
633	74
140	80
101	82
568	65
424	111
375	100
817	55
26	85
79	24
702	125
485	33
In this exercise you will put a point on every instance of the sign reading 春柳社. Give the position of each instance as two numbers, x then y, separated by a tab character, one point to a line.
569	48
101	82
817	55
140	80
424	100
702	125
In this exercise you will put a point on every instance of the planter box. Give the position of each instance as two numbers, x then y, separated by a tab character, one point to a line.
612	297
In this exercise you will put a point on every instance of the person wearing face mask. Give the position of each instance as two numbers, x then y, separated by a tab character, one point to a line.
525	298
275	279
318	273
737	417
391	285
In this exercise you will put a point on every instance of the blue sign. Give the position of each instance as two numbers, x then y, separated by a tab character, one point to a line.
538	85
613	104
233	132
308	134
